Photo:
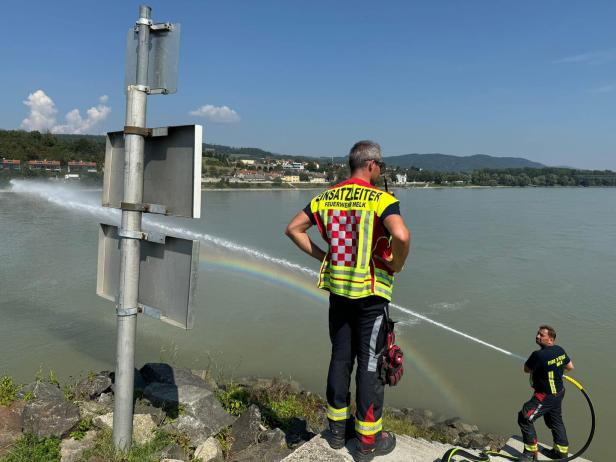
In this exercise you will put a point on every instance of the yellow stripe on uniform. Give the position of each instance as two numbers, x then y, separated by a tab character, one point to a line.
338	414
559	448
531	447
552	384
368	428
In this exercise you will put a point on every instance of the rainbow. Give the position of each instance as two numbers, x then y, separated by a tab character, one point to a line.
276	275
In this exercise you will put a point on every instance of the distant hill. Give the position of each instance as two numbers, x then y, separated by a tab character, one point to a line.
448	163
19	144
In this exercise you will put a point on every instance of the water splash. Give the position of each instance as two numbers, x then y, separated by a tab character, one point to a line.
66	197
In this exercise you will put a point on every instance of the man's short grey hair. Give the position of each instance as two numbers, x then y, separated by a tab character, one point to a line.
363	151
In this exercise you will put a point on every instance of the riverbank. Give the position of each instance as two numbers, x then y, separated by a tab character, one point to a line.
186	415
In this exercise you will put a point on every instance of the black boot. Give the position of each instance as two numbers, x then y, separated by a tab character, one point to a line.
528	456
555	454
385	443
340	431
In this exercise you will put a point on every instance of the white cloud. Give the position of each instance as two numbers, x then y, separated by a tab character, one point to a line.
43	112
593	57
217	114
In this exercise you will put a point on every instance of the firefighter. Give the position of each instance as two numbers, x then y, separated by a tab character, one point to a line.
367	243
546	367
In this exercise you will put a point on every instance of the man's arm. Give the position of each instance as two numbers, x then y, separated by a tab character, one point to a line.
297	232
569	366
400	241
527	369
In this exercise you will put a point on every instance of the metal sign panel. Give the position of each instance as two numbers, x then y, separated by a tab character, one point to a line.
171	171
163	57
167	275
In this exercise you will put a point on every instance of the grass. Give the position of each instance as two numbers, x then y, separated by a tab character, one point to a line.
81	429
149	452
8	390
278	403
31	448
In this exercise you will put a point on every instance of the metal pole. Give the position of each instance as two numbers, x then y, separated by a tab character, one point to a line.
130	250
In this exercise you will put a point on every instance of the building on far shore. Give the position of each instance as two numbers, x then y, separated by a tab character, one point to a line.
10	164
290	179
400	178
81	166
49	165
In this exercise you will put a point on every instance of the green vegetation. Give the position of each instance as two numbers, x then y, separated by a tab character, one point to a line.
149	452
25	146
81	429
31	448
402	426
548	176
278	402
8	390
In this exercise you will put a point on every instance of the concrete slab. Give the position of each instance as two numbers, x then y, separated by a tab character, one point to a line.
407	450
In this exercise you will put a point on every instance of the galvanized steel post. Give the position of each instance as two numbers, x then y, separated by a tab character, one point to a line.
130	245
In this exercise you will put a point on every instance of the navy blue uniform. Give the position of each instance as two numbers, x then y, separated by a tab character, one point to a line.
547	366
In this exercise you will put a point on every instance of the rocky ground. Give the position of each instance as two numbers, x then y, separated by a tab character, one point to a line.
183	415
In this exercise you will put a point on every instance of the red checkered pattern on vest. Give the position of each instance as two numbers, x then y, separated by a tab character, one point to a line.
343	233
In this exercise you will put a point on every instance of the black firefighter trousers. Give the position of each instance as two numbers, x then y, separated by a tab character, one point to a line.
357	331
549	407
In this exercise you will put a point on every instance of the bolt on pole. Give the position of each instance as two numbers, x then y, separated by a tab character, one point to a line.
130	244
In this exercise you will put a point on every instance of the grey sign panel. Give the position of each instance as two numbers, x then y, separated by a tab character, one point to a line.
171	170
163	57
167	275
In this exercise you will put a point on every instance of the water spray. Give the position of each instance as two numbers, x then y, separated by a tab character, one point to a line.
64	197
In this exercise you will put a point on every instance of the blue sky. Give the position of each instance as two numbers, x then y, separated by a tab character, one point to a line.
534	79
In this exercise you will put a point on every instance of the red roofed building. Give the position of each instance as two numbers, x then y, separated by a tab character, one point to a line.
10	164
53	165
81	166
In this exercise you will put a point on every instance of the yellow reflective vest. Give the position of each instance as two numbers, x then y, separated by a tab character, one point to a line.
348	217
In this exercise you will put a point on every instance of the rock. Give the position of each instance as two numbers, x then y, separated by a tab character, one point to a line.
143	406
164	373
90	409
495	442
193	428
106	399
419	417
462	427
275	438
71	449
245	431
41	390
11	422
474	441
206	376
171	460
174	452
103	421
92	387
198	402
450	434
396	413
50	415
209	451
297	433
143	426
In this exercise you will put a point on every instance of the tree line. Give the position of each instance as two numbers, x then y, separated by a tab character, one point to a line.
547	176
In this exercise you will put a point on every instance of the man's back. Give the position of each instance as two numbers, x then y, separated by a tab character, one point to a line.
349	217
547	365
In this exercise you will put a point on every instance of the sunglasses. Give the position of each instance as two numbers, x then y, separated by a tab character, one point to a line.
380	163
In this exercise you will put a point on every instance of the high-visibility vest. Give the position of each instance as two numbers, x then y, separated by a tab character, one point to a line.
348	217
